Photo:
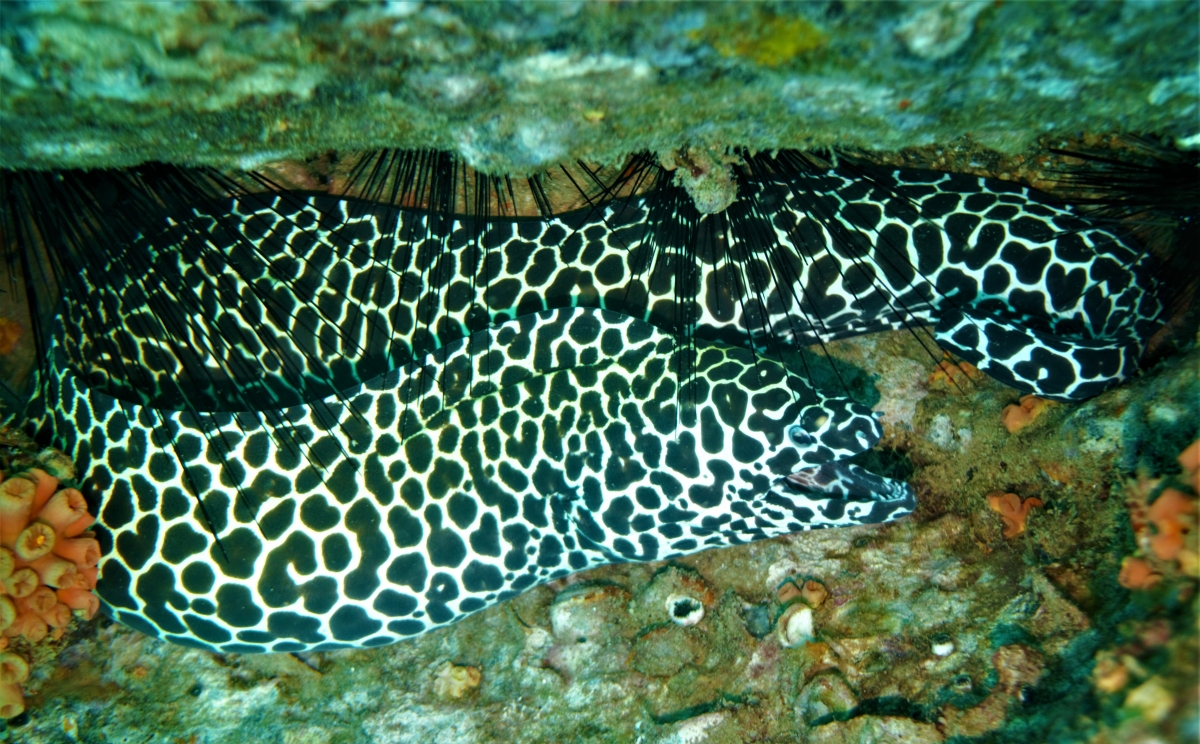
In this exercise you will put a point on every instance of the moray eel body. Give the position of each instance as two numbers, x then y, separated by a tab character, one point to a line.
301	473
552	443
298	297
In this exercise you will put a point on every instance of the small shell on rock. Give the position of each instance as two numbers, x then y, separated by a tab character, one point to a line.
453	681
684	610
943	649
827	693
796	626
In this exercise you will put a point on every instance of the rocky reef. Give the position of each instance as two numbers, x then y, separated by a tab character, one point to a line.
514	87
1045	589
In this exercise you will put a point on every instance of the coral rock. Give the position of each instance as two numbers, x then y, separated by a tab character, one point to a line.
1013	511
827	693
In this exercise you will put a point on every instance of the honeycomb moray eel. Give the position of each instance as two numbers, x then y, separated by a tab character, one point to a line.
549	444
236	338
273	300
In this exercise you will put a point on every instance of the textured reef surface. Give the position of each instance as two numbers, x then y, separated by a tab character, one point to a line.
1045	589
515	86
957	623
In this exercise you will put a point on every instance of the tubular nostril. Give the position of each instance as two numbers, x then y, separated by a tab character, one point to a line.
799	436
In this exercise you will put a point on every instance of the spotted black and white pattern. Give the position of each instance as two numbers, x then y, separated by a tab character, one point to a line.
294	298
549	444
333	494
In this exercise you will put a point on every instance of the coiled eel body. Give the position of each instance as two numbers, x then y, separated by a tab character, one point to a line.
331	497
555	442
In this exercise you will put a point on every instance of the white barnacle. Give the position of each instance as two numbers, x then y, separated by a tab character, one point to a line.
796	626
685	610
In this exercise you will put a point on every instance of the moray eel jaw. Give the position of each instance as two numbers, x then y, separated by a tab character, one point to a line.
824	490
839	495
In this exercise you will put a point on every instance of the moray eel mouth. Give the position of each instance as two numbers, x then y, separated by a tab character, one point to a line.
317	422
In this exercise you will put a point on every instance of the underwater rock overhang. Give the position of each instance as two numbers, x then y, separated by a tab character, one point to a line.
238	85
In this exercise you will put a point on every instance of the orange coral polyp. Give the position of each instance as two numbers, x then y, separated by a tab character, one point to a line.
55	571
79	526
82	551
949	374
29	625
35	541
22	582
80	600
1021	414
1189	459
12	702
16	502
8	611
41	600
45	548
58	616
44	485
13	669
64	509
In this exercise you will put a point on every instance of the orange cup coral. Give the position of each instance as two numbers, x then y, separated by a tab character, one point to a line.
1189	460
1013	511
47	558
1189	556
947	374
812	593
10	333
13	671
1137	573
1021	414
1170	516
47	565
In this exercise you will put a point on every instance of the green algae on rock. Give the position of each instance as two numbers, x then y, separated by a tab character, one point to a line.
516	87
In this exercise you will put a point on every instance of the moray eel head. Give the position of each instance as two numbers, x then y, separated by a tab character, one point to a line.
834	429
